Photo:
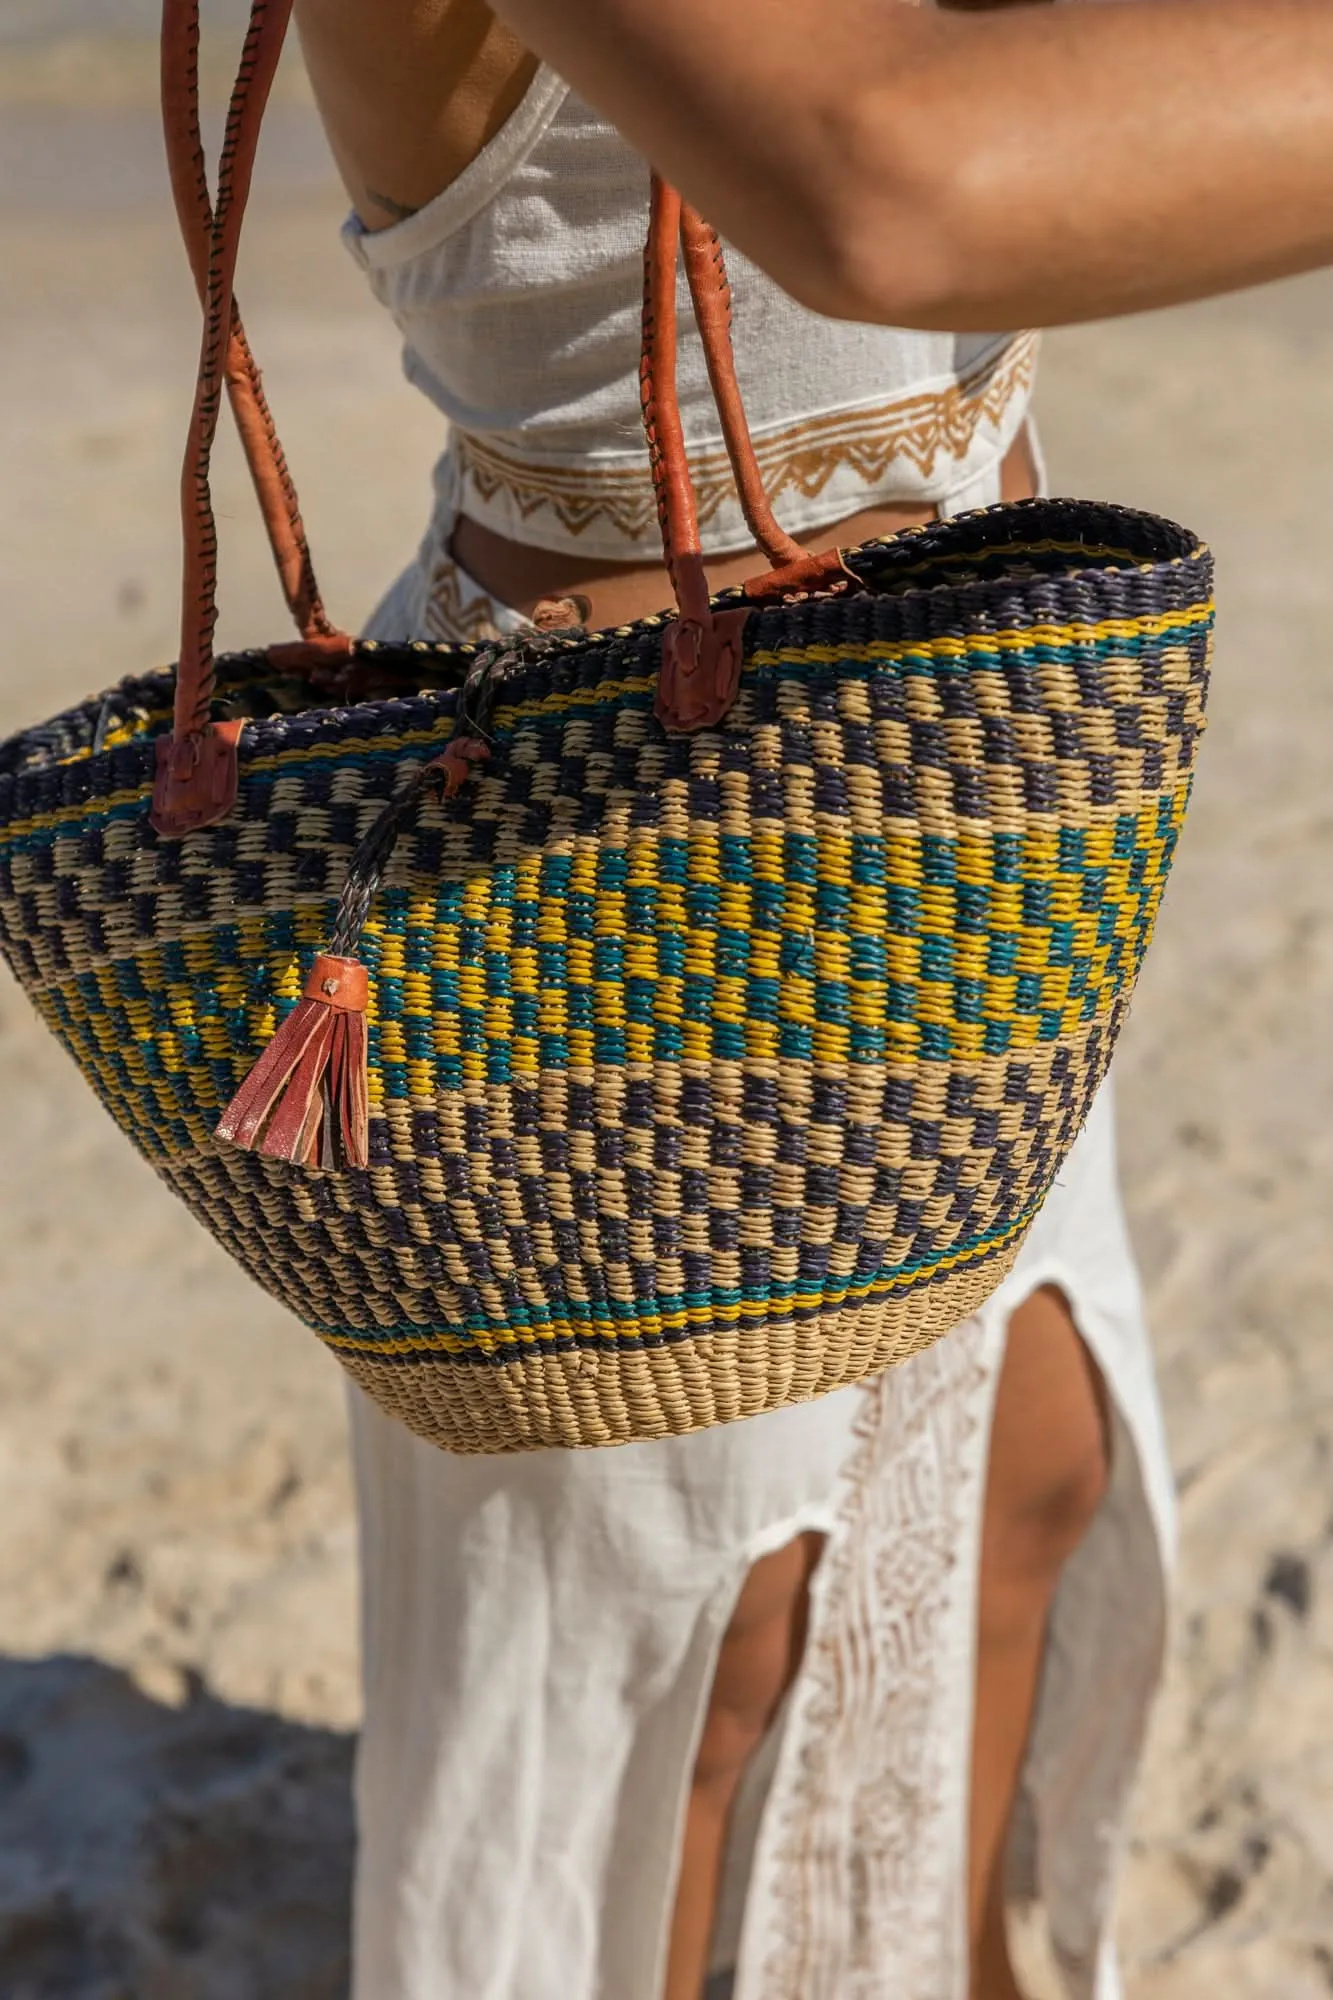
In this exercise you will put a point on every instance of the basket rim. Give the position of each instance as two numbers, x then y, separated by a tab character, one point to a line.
421	708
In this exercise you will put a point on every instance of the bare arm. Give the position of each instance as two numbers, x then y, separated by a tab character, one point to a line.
966	170
1028	167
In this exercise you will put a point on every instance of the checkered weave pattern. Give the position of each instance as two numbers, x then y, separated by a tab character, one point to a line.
707	1073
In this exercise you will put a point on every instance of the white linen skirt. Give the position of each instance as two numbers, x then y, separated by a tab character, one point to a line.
540	1633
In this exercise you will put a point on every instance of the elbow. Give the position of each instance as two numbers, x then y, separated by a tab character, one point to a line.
883	270
898	227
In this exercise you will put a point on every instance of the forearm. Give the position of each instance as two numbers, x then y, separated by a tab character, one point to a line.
971	170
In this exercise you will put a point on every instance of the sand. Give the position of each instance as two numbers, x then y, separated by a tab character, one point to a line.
177	1616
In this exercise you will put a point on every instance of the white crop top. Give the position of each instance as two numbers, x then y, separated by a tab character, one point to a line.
518	291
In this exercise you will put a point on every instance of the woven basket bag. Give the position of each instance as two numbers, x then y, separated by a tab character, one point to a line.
627	1031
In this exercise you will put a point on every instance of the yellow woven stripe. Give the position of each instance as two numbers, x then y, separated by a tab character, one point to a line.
18	828
112	1058
1012	641
1088	551
609	922
580	954
525	967
730	1003
609	692
498	1008
704	868
935	999
833	956
651	1323
1009	641
280	760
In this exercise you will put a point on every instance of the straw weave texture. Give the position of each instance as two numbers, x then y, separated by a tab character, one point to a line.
707	1073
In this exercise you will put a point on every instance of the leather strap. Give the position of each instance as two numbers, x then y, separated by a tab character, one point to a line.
710	292
676	509
196	781
701	650
197	770
259	437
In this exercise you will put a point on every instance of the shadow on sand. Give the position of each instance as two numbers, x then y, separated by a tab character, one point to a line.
153	1852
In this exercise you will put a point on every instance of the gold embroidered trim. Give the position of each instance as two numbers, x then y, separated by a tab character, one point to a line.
802	457
453	617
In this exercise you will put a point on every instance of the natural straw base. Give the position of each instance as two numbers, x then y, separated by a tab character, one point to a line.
584	1398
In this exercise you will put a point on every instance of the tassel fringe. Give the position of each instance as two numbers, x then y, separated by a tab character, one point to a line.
305	1100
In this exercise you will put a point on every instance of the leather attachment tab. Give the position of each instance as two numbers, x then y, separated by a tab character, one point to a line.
339	982
197	779
802	578
321	650
701	671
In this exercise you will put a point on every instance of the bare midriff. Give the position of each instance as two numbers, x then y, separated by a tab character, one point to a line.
409	93
617	593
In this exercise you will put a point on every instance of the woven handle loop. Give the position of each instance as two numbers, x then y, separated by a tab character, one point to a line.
196	766
701	649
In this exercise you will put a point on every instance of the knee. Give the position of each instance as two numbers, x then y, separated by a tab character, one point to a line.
759	1656
1050	1458
1032	1528
1043	1521
731	1735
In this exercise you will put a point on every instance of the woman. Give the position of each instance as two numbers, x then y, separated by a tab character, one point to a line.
808	1696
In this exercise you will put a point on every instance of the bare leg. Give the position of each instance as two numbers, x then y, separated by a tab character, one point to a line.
760	1654
1047	1475
1048	1472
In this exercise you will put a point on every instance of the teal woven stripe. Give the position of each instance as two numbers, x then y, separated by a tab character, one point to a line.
394	752
852	989
616	1315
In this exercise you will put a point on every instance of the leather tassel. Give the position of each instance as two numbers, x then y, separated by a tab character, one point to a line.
305	1100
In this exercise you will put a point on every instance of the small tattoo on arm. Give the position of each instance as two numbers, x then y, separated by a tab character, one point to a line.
399	210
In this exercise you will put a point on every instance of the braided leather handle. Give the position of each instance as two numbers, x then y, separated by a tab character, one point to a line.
259	438
701	649
196	764
710	293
